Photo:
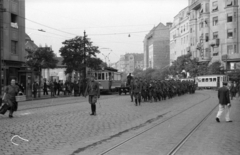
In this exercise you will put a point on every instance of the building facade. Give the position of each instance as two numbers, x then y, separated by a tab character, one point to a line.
129	62
156	47
13	53
214	31
179	35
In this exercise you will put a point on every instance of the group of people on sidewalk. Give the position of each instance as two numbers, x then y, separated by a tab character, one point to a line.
56	88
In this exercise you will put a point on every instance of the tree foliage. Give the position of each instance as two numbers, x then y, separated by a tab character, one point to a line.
215	68
73	54
43	57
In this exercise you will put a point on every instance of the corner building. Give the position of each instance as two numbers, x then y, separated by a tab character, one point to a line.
214	31
13	41
179	35
156	47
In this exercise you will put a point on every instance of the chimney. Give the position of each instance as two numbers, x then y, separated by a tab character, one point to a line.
169	24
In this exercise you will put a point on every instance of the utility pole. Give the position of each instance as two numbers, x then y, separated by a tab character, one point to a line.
1	39
84	56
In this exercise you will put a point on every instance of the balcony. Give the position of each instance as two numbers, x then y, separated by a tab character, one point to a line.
231	57
215	42
196	5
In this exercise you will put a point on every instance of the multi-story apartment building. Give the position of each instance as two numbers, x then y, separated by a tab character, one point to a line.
156	47
12	23
179	35
214	31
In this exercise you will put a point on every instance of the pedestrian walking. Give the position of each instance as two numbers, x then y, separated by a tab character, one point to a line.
224	103
93	92
45	87
35	87
51	85
9	97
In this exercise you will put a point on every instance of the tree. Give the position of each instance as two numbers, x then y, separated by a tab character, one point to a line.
73	53
137	72
43	57
215	68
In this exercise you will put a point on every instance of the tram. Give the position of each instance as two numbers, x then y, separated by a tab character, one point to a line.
109	79
211	81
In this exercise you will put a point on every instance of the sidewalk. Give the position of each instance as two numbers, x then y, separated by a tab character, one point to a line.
42	97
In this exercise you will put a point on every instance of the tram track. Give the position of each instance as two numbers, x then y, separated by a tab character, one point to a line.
175	149
111	149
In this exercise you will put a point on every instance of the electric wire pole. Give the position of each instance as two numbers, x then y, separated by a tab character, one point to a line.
84	56
1	39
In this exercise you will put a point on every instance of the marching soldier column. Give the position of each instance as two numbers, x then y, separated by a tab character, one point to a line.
157	90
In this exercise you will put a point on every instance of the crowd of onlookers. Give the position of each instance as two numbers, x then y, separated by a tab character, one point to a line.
56	88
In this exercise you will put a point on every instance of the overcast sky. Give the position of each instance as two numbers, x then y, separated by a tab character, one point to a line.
103	20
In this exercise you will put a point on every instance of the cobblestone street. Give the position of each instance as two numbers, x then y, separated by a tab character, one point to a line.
67	129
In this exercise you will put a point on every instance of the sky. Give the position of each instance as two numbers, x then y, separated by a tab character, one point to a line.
108	23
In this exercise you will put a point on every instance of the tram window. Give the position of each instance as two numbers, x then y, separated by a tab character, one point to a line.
199	80
206	79
210	79
203	80
214	79
99	76
103	77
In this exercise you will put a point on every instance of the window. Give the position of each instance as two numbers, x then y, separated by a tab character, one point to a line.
14	21
99	76
206	22
215	21
215	35
229	3
229	18
215	6
206	37
230	33
210	79
206	79
230	49
214	79
207	7
235	49
200	25
232	66
14	47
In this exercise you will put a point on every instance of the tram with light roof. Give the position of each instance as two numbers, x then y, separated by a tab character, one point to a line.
211	81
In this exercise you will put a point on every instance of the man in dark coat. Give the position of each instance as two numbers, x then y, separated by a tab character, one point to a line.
224	103
45	88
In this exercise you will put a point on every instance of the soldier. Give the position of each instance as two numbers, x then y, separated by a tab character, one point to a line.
131	89
137	88
144	90
93	92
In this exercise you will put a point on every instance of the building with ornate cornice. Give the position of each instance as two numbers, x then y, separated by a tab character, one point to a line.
214	31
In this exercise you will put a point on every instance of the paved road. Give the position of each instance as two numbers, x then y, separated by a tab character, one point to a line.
68	129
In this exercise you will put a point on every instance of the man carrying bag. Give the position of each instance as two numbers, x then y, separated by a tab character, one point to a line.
9	99
93	92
